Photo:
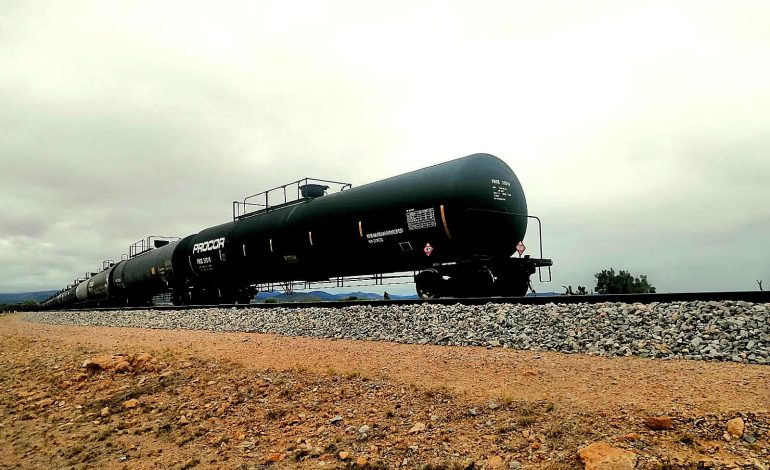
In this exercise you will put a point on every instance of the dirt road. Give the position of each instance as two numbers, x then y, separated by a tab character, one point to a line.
184	399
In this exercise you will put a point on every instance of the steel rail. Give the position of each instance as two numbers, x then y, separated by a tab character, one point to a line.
746	296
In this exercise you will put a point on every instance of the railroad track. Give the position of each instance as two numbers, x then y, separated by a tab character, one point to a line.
746	296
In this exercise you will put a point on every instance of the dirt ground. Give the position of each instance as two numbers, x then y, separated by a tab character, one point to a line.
92	397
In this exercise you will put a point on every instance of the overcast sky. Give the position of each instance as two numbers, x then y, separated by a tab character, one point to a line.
640	130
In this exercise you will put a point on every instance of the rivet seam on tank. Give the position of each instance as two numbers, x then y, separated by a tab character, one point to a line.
443	220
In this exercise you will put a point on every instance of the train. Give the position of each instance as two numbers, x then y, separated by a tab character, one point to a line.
455	226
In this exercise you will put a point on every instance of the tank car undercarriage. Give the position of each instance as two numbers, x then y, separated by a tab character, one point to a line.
486	278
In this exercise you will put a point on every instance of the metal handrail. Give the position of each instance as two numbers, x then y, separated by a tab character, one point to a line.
540	238
145	244
240	207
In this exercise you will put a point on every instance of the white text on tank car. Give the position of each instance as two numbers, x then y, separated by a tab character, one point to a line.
209	245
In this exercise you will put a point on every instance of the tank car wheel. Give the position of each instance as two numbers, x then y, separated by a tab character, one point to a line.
243	298
518	289
428	284
181	297
479	283
512	285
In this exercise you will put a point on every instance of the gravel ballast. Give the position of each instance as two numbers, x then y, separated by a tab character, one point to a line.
721	331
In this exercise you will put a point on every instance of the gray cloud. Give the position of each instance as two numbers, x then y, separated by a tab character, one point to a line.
639	132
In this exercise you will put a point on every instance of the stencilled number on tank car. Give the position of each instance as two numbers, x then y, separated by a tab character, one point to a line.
204	264
378	237
501	189
419	219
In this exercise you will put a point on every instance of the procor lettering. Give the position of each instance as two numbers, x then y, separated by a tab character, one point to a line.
209	245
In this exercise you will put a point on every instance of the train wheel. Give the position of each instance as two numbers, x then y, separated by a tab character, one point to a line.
479	283
429	284
180	297
512	285
244	296
248	294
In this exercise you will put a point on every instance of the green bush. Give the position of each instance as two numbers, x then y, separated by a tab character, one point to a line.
607	282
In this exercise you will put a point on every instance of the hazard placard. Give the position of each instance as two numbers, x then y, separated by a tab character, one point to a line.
428	249
520	248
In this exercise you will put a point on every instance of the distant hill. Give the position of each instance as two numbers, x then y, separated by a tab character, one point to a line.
321	296
544	294
22	297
